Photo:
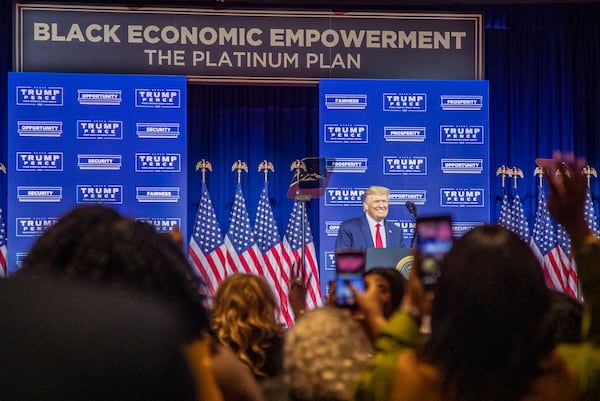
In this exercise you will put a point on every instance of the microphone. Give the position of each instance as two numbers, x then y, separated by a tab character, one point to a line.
412	208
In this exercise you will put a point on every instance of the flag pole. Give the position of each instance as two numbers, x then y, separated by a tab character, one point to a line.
299	165
539	172
239	166
503	171
265	166
203	165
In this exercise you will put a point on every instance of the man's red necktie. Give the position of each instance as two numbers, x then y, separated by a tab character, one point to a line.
378	240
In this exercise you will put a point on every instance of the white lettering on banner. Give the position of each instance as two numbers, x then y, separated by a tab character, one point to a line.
193	35
343	61
99	96
40	159
346	130
462	194
40	93
99	190
99	126
158	159
40	127
39	193
157	194
344	196
162	95
33	226
467	102
244	59
92	33
254	37
463	197
405	100
367	38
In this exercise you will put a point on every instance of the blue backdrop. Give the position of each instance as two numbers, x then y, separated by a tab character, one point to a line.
78	139
542	63
428	141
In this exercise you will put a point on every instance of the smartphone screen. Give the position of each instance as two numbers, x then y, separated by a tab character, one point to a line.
434	240
349	269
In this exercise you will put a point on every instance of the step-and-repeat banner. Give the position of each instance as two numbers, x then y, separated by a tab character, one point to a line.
427	141
76	139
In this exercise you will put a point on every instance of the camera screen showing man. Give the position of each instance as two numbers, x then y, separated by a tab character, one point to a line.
371	230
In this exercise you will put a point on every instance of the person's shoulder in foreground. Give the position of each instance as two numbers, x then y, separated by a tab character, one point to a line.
71	341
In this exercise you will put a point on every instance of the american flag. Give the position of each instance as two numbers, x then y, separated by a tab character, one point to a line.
505	218
294	242
562	253
543	242
276	260
563	239
558	266
207	251
3	248
543	230
519	222
243	255
590	216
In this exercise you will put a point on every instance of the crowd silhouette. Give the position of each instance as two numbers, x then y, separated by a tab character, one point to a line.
104	307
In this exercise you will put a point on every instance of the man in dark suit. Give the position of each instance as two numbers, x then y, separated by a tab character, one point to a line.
371	230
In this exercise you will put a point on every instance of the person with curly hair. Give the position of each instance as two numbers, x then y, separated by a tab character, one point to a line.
244	319
324	355
96	244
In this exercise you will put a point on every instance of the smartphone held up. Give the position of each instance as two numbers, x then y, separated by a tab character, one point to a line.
434	239
349	270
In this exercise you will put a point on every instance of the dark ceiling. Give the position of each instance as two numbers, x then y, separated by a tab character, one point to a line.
321	4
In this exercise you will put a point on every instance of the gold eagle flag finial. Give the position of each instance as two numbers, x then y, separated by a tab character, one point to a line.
516	172
297	165
239	166
539	172
3	168
503	171
265	166
203	165
588	170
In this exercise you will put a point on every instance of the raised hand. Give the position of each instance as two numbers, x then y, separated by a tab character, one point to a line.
568	190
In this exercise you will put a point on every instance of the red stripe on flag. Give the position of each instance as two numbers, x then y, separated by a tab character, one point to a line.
208	266
3	263
555	268
256	260
273	262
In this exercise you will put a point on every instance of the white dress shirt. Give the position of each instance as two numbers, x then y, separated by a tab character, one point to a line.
373	228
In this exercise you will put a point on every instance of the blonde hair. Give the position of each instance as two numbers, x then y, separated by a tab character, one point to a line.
376	190
244	318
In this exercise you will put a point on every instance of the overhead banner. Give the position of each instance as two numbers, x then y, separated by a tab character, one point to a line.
82	139
427	141
248	46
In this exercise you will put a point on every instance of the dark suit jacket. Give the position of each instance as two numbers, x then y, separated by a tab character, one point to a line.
355	234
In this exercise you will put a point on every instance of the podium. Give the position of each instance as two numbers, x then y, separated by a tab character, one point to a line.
393	258
309	182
